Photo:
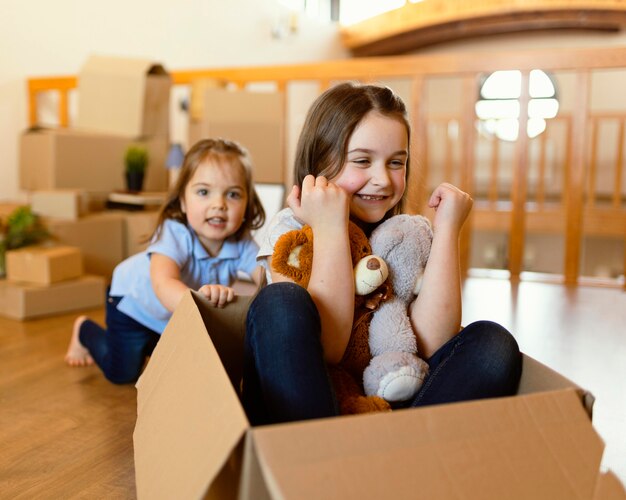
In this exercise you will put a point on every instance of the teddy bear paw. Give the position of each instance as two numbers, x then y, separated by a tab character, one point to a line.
401	384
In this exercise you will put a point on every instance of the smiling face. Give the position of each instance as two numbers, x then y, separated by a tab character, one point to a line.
374	173
215	200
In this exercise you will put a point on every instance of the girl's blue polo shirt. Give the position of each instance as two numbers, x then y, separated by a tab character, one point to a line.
131	278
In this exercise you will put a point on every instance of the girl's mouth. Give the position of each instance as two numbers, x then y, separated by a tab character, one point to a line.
371	197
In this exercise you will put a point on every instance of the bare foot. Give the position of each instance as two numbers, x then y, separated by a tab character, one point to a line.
77	354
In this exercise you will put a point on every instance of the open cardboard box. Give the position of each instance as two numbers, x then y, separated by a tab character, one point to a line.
124	96
192	438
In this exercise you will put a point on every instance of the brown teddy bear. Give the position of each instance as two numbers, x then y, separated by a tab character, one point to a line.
293	258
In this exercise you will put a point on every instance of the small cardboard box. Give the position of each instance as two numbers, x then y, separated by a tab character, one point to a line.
192	438
73	159
22	301
43	265
254	119
100	237
67	203
129	97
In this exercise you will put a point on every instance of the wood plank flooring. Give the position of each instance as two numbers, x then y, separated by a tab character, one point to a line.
67	433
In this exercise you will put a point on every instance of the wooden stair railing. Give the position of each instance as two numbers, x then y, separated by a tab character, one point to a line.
469	68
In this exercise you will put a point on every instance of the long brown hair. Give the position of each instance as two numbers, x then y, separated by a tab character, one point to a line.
221	149
330	122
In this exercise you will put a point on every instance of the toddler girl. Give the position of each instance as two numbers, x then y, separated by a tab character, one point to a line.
352	163
201	241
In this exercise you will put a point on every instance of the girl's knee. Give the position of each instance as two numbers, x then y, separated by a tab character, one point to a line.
496	343
282	309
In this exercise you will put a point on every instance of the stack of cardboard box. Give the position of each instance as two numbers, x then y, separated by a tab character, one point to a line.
70	173
44	280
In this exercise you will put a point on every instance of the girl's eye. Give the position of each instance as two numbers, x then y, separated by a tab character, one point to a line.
397	164
361	161
234	195
202	192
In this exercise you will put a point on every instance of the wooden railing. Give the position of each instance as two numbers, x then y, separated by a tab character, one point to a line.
577	212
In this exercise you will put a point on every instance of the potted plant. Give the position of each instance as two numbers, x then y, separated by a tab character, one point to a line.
136	161
21	228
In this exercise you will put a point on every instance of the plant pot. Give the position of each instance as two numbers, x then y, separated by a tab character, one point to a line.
134	181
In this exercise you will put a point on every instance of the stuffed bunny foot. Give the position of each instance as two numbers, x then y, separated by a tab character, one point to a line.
394	376
400	385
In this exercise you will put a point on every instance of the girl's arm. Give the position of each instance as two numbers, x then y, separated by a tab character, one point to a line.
325	208
166	283
436	312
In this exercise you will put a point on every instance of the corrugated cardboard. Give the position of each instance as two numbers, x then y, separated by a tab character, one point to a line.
138	227
21	301
43	265
71	159
129	97
99	236
192	438
255	119
67	203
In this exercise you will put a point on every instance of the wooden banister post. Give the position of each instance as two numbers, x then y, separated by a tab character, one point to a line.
576	178
417	183
468	154
518	187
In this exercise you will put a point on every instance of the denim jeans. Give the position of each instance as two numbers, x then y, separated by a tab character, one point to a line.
285	377
121	350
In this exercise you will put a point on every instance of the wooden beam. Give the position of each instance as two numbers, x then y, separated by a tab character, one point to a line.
416	25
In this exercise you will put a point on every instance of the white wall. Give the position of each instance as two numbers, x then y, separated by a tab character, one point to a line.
40	38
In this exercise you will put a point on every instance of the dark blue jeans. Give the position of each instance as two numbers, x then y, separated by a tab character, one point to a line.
121	350
285	377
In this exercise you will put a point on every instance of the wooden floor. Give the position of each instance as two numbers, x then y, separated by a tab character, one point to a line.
67	433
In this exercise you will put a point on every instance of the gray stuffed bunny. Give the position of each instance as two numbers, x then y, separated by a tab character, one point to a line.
395	372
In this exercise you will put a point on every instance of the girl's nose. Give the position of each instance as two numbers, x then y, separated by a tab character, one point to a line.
218	202
380	176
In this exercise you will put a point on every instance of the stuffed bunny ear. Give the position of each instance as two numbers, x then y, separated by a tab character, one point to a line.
384	239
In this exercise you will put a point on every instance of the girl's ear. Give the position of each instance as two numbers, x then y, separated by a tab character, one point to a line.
183	208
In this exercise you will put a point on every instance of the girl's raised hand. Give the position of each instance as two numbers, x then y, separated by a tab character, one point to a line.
452	206
217	295
319	202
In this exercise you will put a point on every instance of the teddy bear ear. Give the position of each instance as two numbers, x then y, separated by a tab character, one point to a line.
292	255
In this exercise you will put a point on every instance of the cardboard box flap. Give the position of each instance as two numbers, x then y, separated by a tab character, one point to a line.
537	377
123	95
114	66
608	487
540	446
185	432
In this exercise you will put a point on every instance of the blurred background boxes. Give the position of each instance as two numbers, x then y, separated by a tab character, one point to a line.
128	97
25	301
98	235
254	119
67	203
73	159
44	265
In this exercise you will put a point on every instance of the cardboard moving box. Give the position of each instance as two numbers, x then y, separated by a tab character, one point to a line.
43	265
67	203
72	159
193	440
254	119
22	301
99	236
122	96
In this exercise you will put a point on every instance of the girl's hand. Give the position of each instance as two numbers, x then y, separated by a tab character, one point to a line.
452	206
218	295
319	203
